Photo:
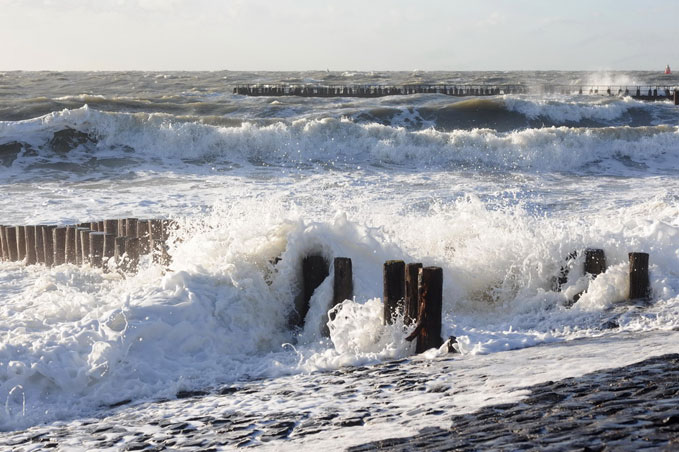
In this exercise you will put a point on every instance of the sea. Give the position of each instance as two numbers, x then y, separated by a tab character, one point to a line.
502	192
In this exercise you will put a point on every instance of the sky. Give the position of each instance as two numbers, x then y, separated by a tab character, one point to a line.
360	35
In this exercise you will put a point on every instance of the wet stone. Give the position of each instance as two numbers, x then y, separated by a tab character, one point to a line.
137	446
189	394
599	411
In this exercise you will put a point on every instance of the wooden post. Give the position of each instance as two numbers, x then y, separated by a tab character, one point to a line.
59	245
21	242
48	244
96	248
3	242
157	244
411	302
109	246
39	246
121	227
639	285
314	271
428	331
131	227
343	285
30	245
3	247
119	250
93	226
156	229
143	234
70	244
676	97
595	261
11	240
84	245
132	248
394	290
111	227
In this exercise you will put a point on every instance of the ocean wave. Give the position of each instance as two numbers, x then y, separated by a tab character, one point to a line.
221	312
561	111
346	142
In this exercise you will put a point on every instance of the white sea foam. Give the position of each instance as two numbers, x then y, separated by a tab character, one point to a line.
221	312
498	211
303	141
562	111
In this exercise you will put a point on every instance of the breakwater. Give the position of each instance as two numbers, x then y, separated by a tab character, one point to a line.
105	244
641	92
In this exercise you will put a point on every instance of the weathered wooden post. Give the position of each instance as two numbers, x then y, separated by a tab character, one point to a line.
314	271
48	244
343	284
157	244
676	97
111	227
639	284
119	250
121	228
109	246
132	248
59	245
143	234
595	261
394	289
11	239
30	245
3	244
70	244
342	287
131	227
96	248
428	330
411	302
84	245
39	246
20	242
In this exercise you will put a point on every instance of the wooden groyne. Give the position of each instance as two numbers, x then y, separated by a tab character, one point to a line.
414	293
640	92
110	244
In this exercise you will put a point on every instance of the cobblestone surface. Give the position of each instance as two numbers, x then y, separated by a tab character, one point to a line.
631	408
628	408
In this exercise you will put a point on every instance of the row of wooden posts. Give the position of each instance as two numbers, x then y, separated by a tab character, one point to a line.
637	92
415	292
595	264
411	291
118	242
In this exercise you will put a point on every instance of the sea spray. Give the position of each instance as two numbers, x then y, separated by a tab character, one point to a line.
497	191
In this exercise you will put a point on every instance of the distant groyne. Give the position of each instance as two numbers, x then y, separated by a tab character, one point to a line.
640	92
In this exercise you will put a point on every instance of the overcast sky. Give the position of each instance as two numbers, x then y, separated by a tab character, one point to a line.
338	34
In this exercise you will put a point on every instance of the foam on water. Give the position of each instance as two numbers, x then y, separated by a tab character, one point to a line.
561	111
251	180
161	138
77	339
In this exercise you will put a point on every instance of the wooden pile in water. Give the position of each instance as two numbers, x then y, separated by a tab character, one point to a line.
106	244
